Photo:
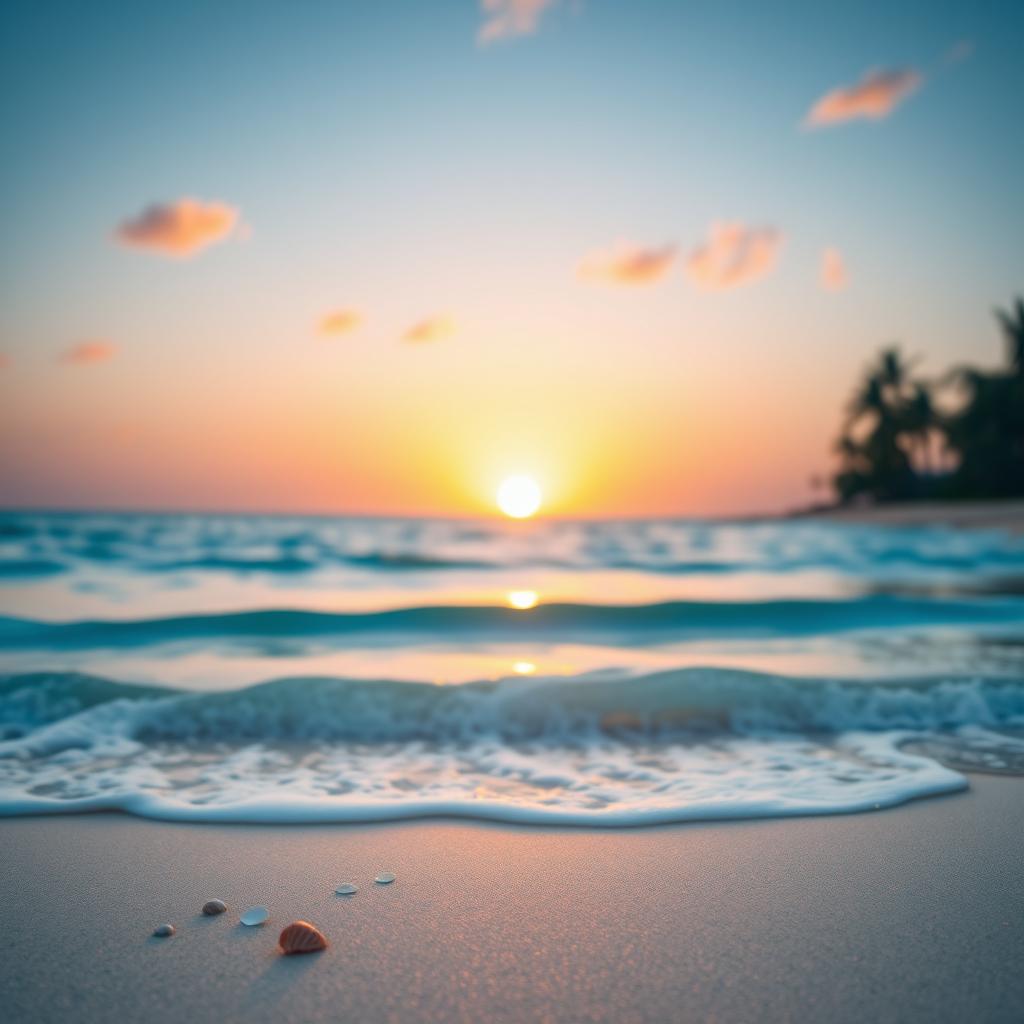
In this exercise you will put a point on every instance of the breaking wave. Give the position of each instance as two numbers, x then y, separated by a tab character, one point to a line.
598	750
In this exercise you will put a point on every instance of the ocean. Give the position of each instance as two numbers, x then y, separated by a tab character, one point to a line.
300	669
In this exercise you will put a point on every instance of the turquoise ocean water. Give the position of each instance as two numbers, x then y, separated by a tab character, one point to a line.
288	669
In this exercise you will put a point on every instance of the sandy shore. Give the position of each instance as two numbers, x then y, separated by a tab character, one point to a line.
992	515
915	914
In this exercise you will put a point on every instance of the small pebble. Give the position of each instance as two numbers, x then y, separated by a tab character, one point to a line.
384	878
213	907
346	889
162	931
254	916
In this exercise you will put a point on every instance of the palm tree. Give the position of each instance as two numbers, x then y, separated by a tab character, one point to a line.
892	423
1012	324
922	419
895	415
987	433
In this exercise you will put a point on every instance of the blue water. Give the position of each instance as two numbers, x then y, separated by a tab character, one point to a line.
303	669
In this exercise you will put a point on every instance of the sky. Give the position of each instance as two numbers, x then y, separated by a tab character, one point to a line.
373	258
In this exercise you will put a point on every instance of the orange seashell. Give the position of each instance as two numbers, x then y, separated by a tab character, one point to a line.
302	937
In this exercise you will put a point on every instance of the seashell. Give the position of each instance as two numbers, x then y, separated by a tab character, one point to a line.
384	878
163	931
213	907
254	916
301	937
346	889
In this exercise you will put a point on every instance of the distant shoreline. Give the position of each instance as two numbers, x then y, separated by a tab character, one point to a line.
993	515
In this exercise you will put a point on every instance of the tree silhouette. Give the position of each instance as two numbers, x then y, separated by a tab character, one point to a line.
893	424
987	433
889	416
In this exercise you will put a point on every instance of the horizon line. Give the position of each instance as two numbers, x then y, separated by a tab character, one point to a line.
265	513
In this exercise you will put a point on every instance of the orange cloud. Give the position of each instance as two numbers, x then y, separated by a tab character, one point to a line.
733	255
180	228
833	275
628	264
87	353
505	18
432	329
875	96
341	321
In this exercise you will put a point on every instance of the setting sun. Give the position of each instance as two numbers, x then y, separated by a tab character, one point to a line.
519	497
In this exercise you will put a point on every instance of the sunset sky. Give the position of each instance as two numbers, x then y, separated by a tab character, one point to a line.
375	257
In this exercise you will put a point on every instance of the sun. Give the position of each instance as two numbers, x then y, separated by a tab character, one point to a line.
519	497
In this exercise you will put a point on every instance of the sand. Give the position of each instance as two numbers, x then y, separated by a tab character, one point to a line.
990	515
913	914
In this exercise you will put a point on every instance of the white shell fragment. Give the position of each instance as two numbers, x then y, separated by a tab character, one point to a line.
163	931
346	889
384	878
254	916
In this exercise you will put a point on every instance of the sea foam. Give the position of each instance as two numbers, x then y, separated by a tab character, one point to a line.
673	746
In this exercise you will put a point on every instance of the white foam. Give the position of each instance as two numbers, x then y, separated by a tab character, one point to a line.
606	783
676	746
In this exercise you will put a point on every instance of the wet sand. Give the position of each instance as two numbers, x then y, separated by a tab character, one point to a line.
913	914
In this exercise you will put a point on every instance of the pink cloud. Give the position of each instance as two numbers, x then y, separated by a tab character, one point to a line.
433	328
628	264
733	255
180	229
506	18
875	96
833	276
5	360
341	321
87	353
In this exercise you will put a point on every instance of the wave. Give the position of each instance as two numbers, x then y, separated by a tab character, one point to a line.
28	568
676	746
286	563
620	624
657	705
37	544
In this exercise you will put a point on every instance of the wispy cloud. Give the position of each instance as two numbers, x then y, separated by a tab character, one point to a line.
433	328
180	228
628	264
733	255
87	353
505	18
341	321
5	360
832	274
875	96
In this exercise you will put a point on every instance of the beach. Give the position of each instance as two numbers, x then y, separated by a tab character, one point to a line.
913	913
